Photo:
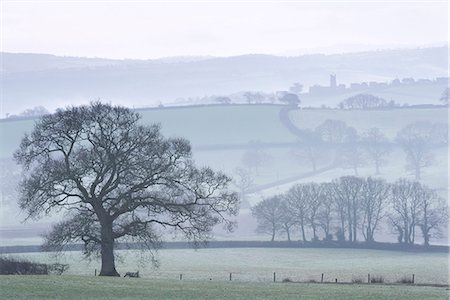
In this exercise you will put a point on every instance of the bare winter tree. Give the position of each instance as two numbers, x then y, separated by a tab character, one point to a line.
406	209
313	149
297	201
377	147
254	157
351	154
269	213
415	142
374	195
243	180
325	213
347	191
119	181
332	131
288	221
434	214
313	192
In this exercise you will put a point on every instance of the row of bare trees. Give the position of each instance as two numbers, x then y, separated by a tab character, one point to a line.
350	206
335	141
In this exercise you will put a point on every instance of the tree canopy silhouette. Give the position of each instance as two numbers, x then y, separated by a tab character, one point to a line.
119	181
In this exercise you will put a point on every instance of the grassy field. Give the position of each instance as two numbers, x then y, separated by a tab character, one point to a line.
232	124
241	124
258	264
79	287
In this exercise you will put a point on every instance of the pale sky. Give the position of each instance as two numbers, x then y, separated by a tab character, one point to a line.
150	29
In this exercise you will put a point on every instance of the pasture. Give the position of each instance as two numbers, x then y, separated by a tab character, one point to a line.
230	129
259	264
81	287
242	124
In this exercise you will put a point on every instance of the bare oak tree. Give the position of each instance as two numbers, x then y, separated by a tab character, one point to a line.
434	214
377	147
351	154
347	191
297	201
406	209
415	140
269	214
374	195
326	210
119	181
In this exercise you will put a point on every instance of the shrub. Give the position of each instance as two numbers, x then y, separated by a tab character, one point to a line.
405	280
357	280
12	266
287	280
377	279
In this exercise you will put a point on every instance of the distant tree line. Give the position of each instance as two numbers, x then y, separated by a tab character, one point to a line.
366	102
335	142
350	209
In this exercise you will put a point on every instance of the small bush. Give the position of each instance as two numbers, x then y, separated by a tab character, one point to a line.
287	280
357	280
405	280
377	279
14	266
58	269
312	281
11	266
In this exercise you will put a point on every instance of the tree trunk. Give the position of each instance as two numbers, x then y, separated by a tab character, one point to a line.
107	251
303	231
273	234
288	233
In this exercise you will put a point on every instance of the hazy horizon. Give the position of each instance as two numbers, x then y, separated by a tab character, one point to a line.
167	29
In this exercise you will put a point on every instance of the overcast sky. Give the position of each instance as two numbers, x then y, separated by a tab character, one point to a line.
144	29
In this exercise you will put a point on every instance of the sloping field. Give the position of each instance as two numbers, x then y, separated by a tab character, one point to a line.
242	124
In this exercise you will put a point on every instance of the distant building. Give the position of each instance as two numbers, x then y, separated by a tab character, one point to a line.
328	90
333	81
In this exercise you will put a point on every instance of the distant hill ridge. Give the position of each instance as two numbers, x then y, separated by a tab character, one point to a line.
51	81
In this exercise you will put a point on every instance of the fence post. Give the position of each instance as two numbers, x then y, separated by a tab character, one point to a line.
181	276
321	279
413	279
274	276
368	278
95	272
335	280
230	276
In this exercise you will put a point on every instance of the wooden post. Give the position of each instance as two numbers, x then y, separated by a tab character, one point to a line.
230	276
95	272
413	279
368	278
335	280
181	276
321	279
274	276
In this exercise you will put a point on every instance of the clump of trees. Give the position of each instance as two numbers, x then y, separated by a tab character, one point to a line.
118	181
365	102
352	207
337	144
417	141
